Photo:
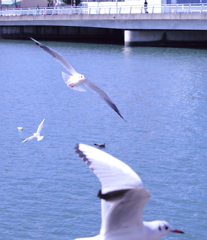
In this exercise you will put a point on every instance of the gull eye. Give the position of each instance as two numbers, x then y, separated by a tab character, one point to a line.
166	227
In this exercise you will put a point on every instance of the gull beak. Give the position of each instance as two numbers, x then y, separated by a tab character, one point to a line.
177	231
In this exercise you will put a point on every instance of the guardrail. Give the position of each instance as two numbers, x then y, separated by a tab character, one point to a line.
119	8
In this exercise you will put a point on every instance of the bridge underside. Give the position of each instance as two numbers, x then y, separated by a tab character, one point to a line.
64	33
157	38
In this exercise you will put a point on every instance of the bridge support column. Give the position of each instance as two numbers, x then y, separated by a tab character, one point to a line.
166	38
143	37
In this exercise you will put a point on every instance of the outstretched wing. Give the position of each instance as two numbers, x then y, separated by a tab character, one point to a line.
125	212
113	174
57	56
104	96
28	139
123	195
39	129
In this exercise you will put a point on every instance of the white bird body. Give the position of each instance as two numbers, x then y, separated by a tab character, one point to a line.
20	129
123	198
76	80
36	134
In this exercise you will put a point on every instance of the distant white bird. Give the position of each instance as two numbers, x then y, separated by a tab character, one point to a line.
37	134
101	145
76	80
123	198
20	129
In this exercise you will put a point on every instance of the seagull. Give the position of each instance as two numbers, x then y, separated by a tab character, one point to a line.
102	145
20	129
37	134
76	80
123	198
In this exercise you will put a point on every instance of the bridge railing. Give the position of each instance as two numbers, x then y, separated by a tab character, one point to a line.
117	8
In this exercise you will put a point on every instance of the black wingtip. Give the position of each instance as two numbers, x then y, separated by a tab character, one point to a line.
112	105
82	155
123	118
32	39
121	115
76	147
36	42
78	151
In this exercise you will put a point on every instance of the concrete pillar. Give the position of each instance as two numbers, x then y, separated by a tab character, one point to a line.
168	38
142	37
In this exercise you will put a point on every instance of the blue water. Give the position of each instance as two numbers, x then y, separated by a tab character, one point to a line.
46	191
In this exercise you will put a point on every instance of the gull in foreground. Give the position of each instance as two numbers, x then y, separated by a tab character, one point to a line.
123	198
37	134
76	80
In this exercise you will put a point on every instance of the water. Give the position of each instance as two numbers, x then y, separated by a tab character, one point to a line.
46	191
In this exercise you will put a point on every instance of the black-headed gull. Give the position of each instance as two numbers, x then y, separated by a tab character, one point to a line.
37	134
76	80
123	198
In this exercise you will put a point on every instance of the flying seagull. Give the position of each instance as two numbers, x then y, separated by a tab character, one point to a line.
76	80
20	129
123	198
37	134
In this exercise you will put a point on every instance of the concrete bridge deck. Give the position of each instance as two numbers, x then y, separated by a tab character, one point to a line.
134	29
156	21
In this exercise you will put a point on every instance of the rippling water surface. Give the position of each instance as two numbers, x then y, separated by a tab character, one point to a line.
46	191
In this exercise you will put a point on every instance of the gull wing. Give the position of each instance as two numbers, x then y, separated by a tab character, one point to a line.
28	139
113	174
57	56
39	129
104	96
125	212
123	196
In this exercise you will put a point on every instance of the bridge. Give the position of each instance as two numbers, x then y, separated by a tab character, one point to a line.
175	25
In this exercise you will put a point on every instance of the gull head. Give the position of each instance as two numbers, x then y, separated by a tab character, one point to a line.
161	228
81	78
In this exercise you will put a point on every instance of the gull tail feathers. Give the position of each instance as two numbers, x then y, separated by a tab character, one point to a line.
79	88
40	138
65	77
68	81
